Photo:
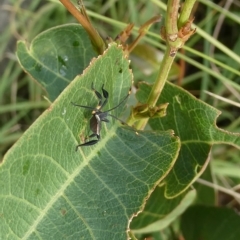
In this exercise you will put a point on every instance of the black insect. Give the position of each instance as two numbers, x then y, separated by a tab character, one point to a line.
99	116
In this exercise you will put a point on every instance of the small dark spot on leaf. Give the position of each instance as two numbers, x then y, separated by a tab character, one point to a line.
38	68
117	62
60	59
120	70
37	191
75	44
63	211
29	209
26	167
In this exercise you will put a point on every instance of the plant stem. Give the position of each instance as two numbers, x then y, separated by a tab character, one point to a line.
172	17
177	31
186	12
158	85
97	41
171	33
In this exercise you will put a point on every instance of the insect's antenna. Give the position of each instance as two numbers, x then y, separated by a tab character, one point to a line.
77	105
120	102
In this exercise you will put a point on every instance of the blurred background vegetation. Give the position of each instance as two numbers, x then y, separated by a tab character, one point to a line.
208	63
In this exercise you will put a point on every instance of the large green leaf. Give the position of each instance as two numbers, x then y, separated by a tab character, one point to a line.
195	123
50	191
56	56
210	223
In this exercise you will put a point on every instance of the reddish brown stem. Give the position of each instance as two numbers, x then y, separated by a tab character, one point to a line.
93	34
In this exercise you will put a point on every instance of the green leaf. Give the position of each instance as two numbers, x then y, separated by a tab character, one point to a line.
56	56
50	191
195	123
159	211
210	223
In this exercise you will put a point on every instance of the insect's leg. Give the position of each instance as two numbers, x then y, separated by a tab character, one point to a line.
122	122
98	94
93	135
105	120
105	94
89	143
